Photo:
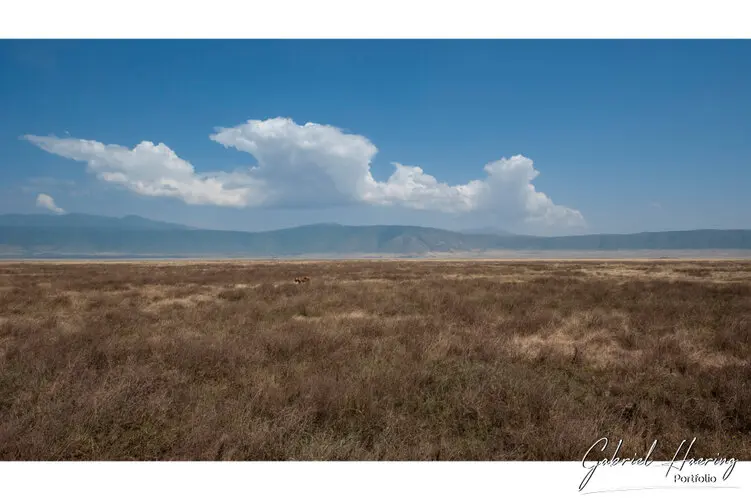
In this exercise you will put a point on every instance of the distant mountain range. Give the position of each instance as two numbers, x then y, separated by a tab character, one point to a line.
81	235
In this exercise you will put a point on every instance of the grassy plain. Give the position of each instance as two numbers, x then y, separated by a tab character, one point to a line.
373	360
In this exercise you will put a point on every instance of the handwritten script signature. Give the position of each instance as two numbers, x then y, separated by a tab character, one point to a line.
676	464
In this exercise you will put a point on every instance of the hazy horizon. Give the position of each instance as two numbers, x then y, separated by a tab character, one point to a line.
467	230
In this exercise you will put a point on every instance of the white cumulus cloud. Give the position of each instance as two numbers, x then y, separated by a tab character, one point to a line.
48	202
303	165
314	165
152	170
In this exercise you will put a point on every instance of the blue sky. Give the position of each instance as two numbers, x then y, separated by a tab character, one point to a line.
543	137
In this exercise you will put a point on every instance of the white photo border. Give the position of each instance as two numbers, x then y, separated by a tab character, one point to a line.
376	19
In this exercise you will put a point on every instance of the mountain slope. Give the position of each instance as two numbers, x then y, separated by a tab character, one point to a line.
84	220
487	230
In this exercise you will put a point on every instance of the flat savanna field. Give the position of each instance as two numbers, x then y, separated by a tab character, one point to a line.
373	360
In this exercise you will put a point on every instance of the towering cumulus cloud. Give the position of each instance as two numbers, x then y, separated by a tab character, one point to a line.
304	165
312	165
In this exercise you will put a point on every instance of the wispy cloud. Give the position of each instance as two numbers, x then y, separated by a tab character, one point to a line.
313	165
48	202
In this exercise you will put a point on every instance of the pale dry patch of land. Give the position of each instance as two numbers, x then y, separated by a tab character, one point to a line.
385	359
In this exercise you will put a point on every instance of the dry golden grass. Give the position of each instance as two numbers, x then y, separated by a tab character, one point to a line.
372	360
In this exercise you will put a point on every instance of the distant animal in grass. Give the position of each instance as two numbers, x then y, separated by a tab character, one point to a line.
302	279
